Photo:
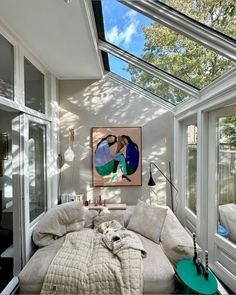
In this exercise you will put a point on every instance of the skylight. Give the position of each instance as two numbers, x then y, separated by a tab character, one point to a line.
146	81
218	15
157	55
161	46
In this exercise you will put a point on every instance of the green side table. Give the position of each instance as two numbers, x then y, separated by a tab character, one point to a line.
194	283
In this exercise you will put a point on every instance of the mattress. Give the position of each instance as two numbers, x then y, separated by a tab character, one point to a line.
158	273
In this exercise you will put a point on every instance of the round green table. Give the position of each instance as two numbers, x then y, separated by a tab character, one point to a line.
194	283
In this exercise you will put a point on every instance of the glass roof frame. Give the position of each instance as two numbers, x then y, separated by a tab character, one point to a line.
107	47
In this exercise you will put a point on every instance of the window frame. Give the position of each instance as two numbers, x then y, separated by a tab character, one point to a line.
221	249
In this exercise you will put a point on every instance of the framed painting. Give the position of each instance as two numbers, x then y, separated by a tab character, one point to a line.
3	146
117	158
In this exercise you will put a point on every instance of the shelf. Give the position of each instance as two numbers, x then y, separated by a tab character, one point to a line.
8	253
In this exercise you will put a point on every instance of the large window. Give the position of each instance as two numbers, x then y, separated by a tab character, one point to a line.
191	168
34	87
6	68
226	164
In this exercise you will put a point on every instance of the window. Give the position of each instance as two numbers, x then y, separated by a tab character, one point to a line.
146	81
6	68
34	87
226	166
37	169
191	168
218	15
161	46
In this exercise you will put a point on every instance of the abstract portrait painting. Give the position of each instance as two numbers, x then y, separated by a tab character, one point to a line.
117	156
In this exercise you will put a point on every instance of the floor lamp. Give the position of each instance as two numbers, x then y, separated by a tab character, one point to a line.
151	182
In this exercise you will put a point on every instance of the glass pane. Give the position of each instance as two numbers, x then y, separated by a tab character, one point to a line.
6	200
161	46
216	14
191	168
34	87
146	81
6	68
37	171
227	177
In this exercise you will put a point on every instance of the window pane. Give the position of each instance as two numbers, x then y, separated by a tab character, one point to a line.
6	68
34	87
37	169
227	176
146	81
216	14
191	168
161	46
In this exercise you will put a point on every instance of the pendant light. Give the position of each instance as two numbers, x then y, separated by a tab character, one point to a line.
69	153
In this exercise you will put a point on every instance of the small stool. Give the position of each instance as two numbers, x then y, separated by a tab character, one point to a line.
194	283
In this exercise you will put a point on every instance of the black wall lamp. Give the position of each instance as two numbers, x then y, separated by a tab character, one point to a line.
151	182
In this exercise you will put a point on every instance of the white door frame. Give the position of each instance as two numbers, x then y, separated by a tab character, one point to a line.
22	181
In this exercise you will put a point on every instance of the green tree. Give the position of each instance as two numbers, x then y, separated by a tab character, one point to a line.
229	130
181	56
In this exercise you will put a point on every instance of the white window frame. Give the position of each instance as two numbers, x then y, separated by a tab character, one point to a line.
188	218
223	252
51	117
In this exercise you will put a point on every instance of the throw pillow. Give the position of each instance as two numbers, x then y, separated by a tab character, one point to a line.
108	217
148	221
57	221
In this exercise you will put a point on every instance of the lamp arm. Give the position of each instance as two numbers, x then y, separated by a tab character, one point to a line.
170	182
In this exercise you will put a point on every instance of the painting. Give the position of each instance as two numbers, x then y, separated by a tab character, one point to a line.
117	159
3	146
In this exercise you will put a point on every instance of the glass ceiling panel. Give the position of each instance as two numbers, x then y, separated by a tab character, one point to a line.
146	81
219	15
161	46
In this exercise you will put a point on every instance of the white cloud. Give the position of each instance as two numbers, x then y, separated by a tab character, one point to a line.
117	36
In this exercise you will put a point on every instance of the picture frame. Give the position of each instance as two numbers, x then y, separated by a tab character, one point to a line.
3	146
116	156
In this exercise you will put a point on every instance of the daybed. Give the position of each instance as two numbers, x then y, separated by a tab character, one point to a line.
158	266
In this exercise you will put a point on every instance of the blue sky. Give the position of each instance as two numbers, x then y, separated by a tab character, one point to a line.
123	28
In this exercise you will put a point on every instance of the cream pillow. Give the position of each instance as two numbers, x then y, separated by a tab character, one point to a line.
58	221
109	217
148	221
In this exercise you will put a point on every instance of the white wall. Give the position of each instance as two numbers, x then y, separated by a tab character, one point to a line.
86	104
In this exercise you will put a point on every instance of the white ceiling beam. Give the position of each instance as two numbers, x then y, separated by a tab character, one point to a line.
179	22
177	83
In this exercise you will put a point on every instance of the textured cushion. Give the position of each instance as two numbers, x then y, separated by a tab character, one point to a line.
228	219
58	221
148	221
158	273
127	213
109	217
176	242
89	216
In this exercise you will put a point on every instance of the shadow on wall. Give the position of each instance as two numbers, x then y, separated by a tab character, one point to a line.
106	103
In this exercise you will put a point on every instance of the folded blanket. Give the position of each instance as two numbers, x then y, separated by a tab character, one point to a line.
117	238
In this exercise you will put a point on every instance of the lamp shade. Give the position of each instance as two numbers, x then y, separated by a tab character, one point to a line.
151	182
69	155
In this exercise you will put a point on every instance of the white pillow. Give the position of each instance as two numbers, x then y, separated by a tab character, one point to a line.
148	221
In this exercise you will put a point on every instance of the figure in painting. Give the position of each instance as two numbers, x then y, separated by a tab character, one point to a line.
107	163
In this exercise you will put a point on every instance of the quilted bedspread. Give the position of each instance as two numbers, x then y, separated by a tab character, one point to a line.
92	262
